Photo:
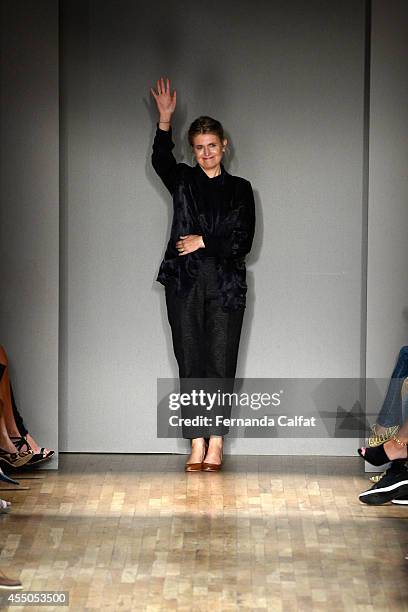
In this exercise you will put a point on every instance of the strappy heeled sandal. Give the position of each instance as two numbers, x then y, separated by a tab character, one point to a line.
20	442
15	459
196	467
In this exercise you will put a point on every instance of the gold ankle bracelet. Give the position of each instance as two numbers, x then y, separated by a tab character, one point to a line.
398	441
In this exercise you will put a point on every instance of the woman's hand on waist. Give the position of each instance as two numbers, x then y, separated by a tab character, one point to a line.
189	244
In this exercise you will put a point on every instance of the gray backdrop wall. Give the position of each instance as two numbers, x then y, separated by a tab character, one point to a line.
327	275
387	278
29	209
287	81
387	281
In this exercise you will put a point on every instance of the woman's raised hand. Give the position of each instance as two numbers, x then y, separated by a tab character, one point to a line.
166	103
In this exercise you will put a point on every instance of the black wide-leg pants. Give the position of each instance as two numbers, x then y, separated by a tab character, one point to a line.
205	342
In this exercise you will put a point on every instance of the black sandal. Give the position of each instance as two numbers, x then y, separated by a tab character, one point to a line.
20	442
377	455
41	456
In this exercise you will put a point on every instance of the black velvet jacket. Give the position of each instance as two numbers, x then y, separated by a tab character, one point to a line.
221	210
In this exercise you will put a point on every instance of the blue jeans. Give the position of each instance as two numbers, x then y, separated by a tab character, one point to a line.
405	409
392	408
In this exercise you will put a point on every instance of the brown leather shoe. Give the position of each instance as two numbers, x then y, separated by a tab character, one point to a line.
8	584
196	467
213	467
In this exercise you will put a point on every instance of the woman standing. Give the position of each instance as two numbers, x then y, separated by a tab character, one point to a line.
203	269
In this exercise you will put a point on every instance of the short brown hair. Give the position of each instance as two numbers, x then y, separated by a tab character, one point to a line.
205	125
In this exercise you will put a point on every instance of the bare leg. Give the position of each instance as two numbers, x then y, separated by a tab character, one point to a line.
5	395
395	450
197	450
10	422
12	456
214	450
5	442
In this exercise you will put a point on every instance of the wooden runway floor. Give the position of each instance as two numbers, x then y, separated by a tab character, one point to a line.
135	532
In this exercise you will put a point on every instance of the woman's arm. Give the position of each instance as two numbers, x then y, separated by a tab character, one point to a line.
239	241
163	160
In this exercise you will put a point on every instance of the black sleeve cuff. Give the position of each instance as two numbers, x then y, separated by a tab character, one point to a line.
163	133
213	246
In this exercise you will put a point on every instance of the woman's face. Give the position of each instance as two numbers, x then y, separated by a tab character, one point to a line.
208	150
